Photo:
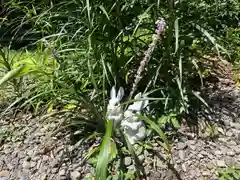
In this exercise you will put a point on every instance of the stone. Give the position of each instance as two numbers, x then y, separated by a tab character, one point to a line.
33	164
26	165
146	153
229	134
224	150
54	170
131	167
30	153
54	163
210	156
44	177
147	172
192	147
235	125
200	156
238	136
4	173
62	172
197	172
220	130
184	168
181	145
75	175
159	163
218	152
192	173
230	161
224	140
237	150
230	153
191	142
206	173
45	158
221	163
181	154
141	158
232	143
127	161
10	166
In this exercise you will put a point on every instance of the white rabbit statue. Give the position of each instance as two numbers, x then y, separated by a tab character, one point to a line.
114	110
133	127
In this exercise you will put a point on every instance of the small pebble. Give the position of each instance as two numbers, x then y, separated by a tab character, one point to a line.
181	145
127	161
221	163
62	172
229	134
141	158
206	173
181	154
54	170
26	165
184	168
131	167
230	153
75	175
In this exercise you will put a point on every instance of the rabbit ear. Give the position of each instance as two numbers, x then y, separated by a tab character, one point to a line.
120	93
113	92
145	103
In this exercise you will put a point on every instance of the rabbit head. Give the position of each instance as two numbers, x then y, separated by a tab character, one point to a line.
116	97
114	109
139	104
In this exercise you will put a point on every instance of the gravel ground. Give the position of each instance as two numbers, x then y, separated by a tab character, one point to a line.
31	153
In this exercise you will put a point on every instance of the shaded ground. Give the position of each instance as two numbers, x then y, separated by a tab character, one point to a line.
29	152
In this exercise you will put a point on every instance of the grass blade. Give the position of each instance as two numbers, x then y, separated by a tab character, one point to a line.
180	68
176	27
88	12
200	98
104	11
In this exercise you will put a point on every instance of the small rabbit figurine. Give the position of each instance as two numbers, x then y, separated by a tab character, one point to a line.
114	110
133	127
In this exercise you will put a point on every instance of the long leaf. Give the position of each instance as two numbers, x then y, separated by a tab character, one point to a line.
104	155
11	75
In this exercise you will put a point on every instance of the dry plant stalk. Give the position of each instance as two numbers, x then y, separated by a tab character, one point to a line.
160	28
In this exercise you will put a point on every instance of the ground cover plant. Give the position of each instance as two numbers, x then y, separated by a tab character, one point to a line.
114	65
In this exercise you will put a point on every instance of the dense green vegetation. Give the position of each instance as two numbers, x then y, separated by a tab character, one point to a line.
66	56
